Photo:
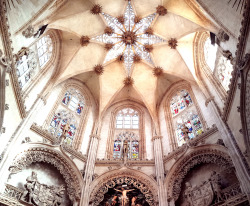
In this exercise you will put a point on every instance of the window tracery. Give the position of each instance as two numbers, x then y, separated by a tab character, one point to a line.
127	119
133	145
69	111
222	67
184	114
27	64
127	129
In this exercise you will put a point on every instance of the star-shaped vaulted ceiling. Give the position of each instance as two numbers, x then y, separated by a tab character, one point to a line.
106	41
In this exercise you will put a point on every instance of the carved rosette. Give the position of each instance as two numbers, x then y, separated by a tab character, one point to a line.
96	9
128	81
161	10
205	156
172	43
137	19
84	40
98	69
158	71
39	154
120	58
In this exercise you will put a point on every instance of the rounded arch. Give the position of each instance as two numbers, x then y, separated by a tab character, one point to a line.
194	156
114	109
55	156
141	181
180	85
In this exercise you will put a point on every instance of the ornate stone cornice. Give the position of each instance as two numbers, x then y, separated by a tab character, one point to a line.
193	142
43	154
45	134
240	52
130	162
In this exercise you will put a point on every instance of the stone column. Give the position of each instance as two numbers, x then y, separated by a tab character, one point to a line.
159	170
241	167
89	169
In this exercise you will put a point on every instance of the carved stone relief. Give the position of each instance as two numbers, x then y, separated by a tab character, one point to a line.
33	155
190	161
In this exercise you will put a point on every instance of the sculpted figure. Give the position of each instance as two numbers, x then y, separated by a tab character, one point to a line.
133	201
188	194
30	185
185	132
58	195
124	198
215	181
125	148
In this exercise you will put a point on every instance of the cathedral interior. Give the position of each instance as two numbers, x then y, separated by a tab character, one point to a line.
124	102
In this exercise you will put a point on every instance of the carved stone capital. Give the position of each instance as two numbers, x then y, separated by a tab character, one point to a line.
208	100
156	137
94	136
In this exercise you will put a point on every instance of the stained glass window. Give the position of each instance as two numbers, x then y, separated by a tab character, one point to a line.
179	102
74	101
127	119
224	70
222	67
44	50
191	120
58	122
132	142
26	67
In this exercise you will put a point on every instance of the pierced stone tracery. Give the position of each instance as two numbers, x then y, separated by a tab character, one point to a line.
131	35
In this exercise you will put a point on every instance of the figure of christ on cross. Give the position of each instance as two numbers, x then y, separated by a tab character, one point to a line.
124	195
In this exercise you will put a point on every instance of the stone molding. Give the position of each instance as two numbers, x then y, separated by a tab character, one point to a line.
6	200
156	137
118	162
144	183
193	142
239	56
200	155
244	102
6	36
51	156
54	141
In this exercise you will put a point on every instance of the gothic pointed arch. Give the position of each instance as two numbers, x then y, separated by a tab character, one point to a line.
55	156
131	129
181	96
205	154
72	106
137	179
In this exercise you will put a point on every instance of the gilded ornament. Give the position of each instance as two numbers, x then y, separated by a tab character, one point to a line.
108	46
158	71
172	43
108	30
149	31
137	19
148	48
121	19
84	40
161	10
128	81
120	58
98	69
136	58
96	9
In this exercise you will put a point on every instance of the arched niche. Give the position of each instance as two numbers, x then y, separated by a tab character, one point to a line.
53	155
139	180
214	154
